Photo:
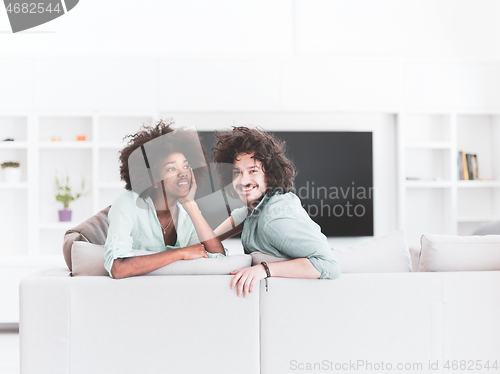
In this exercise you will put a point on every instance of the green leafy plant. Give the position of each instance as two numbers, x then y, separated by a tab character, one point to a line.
10	164
63	191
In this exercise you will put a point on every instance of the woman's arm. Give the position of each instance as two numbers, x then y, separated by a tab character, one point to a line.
203	230
140	265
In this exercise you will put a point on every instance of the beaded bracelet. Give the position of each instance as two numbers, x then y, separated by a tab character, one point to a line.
267	269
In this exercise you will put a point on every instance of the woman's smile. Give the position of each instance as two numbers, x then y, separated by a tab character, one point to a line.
175	174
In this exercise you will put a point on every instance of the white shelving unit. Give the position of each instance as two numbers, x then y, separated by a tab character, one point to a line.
32	237
431	198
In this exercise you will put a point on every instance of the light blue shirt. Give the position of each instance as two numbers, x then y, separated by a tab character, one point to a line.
137	227
279	226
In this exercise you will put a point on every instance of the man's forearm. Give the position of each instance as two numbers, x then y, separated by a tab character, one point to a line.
227	229
297	268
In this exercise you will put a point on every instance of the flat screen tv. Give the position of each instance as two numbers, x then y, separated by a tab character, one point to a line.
334	179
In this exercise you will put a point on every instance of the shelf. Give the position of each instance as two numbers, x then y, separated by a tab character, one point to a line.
13	145
66	145
11	186
476	219
428	145
58	225
428	184
111	146
478	184
112	185
444	184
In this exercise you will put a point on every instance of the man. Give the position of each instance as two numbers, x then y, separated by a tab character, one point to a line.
273	221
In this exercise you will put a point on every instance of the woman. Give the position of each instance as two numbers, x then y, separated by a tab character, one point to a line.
273	221
158	211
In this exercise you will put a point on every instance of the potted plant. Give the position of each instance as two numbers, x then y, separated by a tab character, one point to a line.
11	171
65	196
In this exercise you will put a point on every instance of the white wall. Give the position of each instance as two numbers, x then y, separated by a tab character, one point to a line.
194	28
274	55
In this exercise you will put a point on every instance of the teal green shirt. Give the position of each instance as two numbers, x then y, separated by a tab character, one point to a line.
280	227
133	227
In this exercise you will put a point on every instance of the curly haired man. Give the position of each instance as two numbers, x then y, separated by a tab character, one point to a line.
273	221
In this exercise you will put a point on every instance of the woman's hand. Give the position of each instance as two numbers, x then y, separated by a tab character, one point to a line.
189	198
194	251
245	279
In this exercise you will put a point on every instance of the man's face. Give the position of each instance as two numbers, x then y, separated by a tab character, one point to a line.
248	179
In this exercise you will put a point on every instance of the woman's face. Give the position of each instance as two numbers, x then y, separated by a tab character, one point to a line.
175	172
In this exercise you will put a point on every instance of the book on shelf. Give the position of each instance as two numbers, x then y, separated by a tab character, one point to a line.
467	166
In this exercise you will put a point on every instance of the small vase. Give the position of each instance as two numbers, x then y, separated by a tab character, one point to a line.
12	175
65	215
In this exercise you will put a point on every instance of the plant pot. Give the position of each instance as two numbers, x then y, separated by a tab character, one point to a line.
65	215
12	175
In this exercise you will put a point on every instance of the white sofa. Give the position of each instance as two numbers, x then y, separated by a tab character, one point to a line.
363	322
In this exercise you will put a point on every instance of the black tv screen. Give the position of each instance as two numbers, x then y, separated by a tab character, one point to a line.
334	179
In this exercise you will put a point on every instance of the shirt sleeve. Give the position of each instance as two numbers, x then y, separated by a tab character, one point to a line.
119	241
292	238
239	215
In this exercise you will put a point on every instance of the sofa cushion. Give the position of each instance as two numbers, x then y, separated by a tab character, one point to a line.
94	230
386	254
489	228
459	253
88	259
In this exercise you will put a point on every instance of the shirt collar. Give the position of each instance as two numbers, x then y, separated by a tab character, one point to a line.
260	205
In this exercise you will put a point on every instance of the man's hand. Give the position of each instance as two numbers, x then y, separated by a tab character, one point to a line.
245	279
194	251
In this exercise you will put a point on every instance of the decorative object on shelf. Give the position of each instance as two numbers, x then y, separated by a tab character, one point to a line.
11	171
467	166
81	138
8	140
54	139
64	195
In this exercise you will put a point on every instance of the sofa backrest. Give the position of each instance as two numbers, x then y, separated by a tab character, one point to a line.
167	324
395	318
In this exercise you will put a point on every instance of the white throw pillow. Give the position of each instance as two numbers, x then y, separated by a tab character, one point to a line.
459	253
88	259
387	254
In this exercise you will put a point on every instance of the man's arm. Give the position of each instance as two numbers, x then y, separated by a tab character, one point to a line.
296	268
140	265
203	230
227	229
245	279
313	258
